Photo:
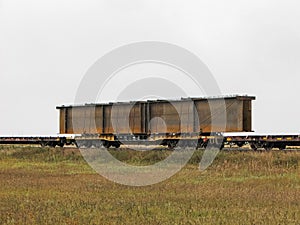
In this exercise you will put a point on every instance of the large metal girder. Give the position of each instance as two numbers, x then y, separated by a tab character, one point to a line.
161	116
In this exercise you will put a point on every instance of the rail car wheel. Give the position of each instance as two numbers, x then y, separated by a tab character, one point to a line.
254	146
84	144
116	145
240	144
282	147
43	144
222	146
268	147
88	144
203	145
76	144
61	144
98	144
172	144
183	144
106	144
80	144
51	144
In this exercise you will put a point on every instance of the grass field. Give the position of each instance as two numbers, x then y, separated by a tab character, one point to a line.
56	186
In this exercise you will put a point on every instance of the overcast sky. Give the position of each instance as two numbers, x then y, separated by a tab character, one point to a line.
46	47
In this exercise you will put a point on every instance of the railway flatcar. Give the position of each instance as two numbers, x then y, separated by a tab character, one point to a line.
162	122
188	122
262	141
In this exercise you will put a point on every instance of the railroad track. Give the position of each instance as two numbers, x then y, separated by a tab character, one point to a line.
231	144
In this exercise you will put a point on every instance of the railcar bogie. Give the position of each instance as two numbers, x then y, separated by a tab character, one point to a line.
185	123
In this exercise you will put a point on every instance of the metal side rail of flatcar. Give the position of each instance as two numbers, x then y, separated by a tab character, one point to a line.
266	141
51	141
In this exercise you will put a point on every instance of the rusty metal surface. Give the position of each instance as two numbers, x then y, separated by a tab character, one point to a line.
238	115
126	118
247	115
62	121
211	110
175	116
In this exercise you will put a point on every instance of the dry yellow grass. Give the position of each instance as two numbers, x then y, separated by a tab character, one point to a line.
51	186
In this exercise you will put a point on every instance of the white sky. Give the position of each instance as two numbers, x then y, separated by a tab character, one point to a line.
47	46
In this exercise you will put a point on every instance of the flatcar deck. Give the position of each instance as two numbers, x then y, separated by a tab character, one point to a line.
37	140
230	143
